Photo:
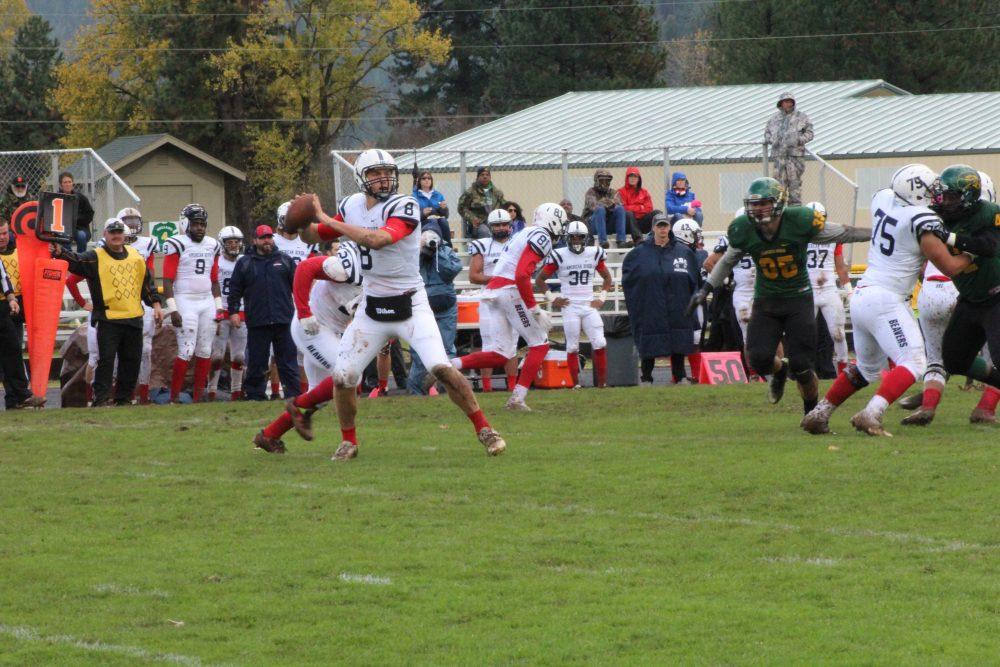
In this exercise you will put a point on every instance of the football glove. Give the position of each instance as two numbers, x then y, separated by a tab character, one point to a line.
310	325
698	299
543	318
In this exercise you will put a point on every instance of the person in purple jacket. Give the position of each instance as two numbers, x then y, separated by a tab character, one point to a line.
681	199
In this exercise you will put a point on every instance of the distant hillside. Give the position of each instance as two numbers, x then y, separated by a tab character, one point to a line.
64	15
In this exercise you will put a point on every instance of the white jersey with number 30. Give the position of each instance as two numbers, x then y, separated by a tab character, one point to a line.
894	257
194	266
577	272
394	269
536	238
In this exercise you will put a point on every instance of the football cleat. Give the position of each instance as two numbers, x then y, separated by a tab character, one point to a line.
869	423
816	422
776	388
920	417
301	419
494	444
270	445
517	405
912	402
347	451
980	416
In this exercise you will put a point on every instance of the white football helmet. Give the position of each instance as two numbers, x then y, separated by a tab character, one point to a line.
498	216
686	231
987	192
576	236
282	212
914	183
552	217
133	220
229	233
371	159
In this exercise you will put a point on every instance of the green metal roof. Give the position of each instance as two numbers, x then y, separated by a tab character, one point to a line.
851	118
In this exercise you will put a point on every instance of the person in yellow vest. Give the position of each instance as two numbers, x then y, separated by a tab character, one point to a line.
119	285
15	382
13	335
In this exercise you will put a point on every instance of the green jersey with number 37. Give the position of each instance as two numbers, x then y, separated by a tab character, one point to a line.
781	261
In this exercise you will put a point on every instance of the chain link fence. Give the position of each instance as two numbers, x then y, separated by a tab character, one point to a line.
826	184
92	177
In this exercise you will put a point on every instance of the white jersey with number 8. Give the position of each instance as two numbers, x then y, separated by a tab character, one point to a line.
577	272
894	257
194	266
394	269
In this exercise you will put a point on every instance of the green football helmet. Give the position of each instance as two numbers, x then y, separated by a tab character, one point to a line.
958	188
764	191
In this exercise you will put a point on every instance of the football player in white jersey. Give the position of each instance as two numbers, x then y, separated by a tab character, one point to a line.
904	233
393	304
194	298
825	262
483	257
146	246
576	265
326	293
935	303
231	241
510	302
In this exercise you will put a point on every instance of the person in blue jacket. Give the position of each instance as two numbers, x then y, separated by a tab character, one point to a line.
262	279
432	204
438	267
658	277
681	200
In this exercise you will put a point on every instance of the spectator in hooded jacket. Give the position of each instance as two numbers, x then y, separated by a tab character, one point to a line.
638	205
476	203
601	204
432	204
681	199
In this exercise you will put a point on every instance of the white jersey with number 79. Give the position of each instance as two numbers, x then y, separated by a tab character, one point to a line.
394	269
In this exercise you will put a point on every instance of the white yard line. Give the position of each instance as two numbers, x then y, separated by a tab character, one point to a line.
26	634
369	579
118	589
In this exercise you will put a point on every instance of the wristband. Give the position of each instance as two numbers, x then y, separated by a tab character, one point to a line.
218	303
603	296
952	240
549	296
171	305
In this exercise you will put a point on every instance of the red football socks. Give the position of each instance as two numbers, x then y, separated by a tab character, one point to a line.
989	400
483	360
383	384
275	389
895	383
931	398
840	390
303	385
321	393
202	367
142	391
279	426
177	379
479	420
487	380
532	362
511	381
601	366
573	361
350	435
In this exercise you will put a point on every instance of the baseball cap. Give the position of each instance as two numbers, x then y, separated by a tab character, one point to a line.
660	219
263	230
114	225
19	181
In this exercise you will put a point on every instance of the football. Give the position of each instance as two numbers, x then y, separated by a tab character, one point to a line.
301	213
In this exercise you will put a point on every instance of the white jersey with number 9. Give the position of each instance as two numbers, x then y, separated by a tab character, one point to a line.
394	269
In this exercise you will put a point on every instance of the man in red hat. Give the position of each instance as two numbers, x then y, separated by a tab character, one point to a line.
262	278
15	195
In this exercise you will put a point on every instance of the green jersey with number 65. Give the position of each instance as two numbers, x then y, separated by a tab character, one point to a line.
781	261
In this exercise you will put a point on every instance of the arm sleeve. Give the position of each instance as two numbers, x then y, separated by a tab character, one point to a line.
84	265
836	233
170	263
982	244
214	274
724	266
522	275
305	274
549	268
398	228
72	284
839	250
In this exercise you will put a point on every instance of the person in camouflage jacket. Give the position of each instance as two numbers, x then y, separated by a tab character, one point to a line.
13	197
787	133
476	203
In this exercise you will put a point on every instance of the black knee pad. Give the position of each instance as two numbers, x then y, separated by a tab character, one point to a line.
855	377
799	365
804	377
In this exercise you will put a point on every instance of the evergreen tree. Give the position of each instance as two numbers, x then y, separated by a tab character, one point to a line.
931	62
29	78
523	75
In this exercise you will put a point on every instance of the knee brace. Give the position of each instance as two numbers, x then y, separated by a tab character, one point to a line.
804	377
799	364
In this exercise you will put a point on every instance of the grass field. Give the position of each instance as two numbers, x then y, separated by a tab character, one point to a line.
653	526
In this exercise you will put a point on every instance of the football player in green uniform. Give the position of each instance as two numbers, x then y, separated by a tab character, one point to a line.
973	227
777	237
